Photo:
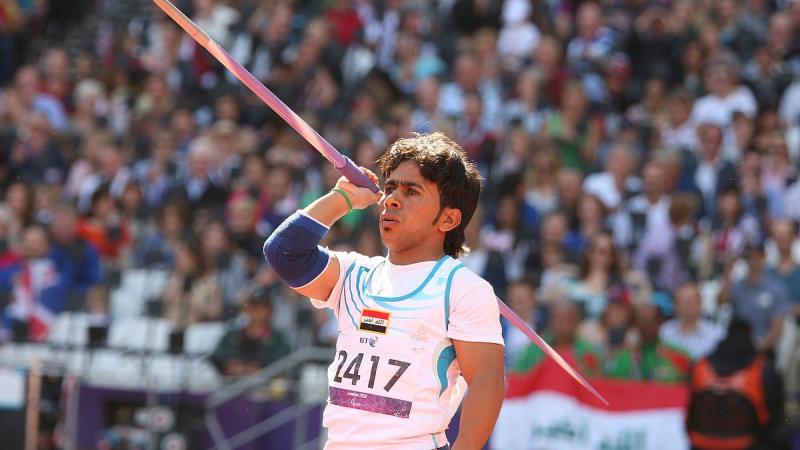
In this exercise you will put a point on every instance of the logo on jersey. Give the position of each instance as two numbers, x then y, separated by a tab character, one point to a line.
374	321
372	340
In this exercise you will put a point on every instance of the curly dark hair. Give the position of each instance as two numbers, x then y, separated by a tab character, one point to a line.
442	161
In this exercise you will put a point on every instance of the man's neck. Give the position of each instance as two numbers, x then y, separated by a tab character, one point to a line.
564	342
255	329
404	258
652	197
786	263
688	325
754	277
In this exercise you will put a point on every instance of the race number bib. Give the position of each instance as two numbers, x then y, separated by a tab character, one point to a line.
373	381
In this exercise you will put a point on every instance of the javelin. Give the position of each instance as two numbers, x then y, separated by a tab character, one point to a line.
342	163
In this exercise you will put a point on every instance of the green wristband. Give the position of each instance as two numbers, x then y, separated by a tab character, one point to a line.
341	192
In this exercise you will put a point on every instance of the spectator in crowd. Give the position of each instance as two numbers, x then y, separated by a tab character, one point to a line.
196	185
154	249
649	359
599	271
34	286
731	230
228	265
645	213
759	299
563	321
590	219
245	350
617	182
521	297
666	254
740	377
708	172
105	228
77	260
192	293
786	269
689	330
725	95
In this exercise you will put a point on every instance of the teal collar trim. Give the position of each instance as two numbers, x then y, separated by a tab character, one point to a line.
410	294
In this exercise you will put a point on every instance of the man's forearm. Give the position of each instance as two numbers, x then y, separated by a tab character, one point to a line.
479	413
771	339
327	209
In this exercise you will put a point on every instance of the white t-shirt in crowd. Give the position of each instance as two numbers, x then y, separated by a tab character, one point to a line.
698	343
713	109
395	381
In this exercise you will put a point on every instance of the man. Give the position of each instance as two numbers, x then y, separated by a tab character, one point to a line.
759	299
737	376
78	261
35	286
689	330
614	184
245	350
522	300
652	359
645	213
409	323
562	334
786	269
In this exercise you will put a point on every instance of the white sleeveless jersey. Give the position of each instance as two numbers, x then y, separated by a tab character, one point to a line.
395	381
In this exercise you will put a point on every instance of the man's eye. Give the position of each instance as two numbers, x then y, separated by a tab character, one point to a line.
412	192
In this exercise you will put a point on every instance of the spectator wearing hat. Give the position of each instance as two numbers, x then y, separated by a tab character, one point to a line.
758	299
245	350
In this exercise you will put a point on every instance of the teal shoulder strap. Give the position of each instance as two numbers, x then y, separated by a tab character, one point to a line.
447	294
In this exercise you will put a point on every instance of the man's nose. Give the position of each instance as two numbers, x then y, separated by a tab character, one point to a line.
391	201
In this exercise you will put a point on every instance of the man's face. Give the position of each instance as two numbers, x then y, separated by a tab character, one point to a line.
258	312
783	234
410	215
34	243
755	260
653	179
521	298
687	303
648	321
64	226
564	321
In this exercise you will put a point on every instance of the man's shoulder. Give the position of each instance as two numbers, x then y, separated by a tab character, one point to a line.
465	278
670	327
350	259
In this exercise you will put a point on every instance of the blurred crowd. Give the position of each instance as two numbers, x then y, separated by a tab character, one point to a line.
640	160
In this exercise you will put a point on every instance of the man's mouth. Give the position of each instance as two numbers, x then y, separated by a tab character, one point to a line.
387	219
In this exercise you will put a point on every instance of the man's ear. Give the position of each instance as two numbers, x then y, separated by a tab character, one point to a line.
449	219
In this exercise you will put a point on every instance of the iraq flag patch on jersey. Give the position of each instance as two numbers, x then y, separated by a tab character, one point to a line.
374	321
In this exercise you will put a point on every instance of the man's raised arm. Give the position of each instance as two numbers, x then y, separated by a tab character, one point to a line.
293	249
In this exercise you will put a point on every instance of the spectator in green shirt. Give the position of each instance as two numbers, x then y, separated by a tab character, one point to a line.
650	359
245	350
561	335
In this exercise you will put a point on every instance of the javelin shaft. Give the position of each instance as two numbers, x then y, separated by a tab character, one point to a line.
343	164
